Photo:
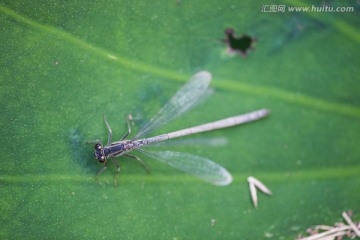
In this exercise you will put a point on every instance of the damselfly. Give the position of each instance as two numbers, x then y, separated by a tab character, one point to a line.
191	93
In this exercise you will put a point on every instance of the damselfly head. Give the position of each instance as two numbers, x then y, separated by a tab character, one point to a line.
99	153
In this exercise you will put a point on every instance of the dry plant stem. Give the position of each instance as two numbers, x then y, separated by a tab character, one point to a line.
352	225
325	235
340	229
253	184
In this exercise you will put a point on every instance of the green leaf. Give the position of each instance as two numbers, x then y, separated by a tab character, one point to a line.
65	64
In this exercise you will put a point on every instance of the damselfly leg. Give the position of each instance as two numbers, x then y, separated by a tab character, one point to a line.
117	170
110	132
100	171
128	118
128	126
147	169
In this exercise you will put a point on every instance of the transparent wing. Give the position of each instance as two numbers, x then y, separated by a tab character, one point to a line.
190	94
198	166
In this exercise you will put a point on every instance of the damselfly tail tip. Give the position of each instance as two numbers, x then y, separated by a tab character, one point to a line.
264	112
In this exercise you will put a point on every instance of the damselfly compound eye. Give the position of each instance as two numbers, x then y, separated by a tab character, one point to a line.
101	159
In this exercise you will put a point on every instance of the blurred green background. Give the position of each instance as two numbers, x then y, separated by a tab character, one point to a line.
65	63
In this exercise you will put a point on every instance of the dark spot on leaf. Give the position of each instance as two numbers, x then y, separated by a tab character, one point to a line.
241	45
